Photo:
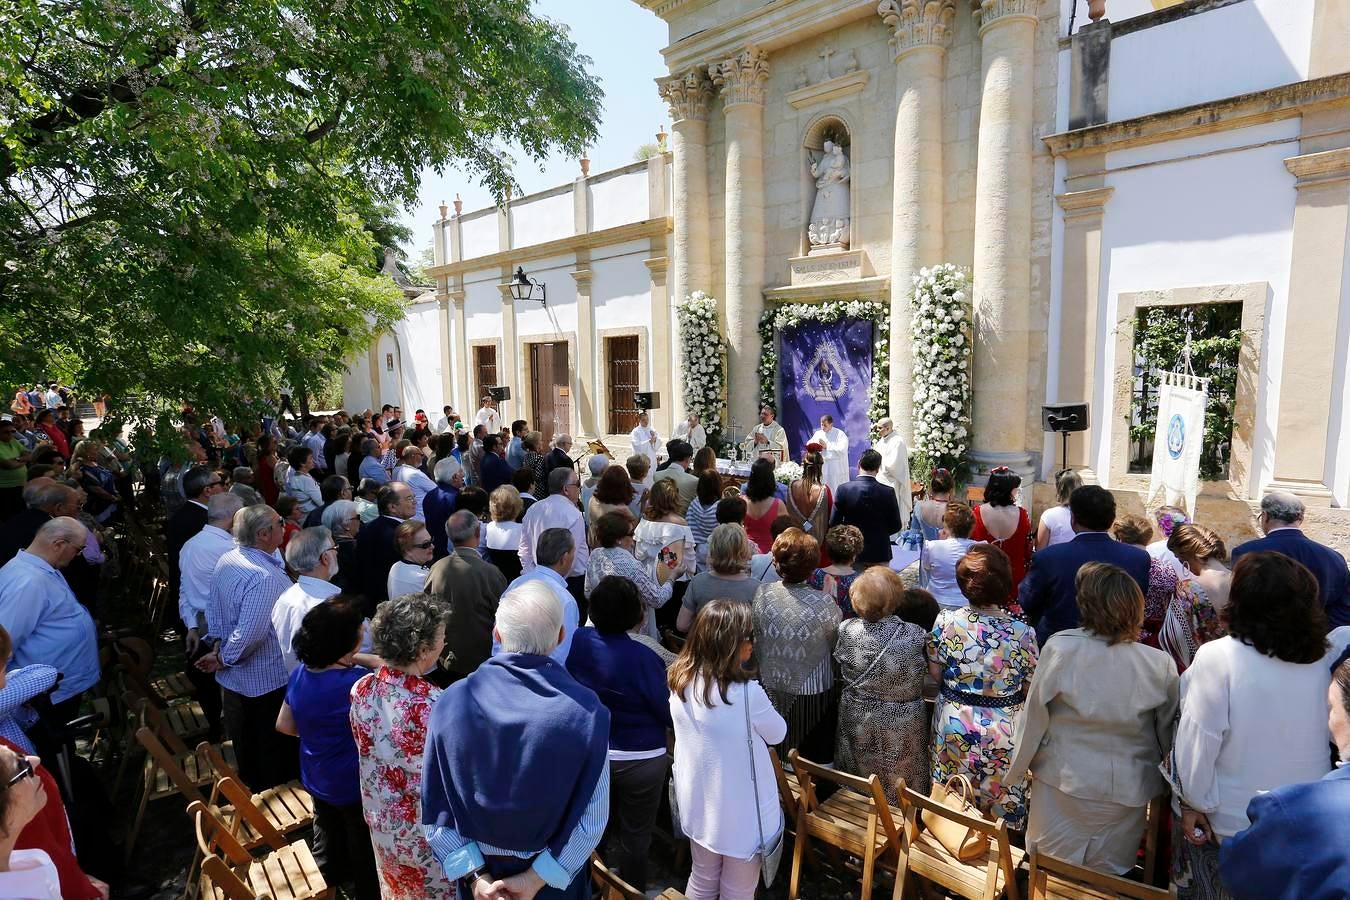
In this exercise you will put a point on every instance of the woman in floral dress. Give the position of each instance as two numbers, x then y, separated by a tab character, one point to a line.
983	660
390	709
1193	618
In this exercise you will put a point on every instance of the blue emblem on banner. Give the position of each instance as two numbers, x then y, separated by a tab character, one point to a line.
1176	436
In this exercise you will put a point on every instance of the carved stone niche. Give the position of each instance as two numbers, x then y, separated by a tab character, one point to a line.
827	158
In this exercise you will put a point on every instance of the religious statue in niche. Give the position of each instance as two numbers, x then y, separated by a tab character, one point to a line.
830	217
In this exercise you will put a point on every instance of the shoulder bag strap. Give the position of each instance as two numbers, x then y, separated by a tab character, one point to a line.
754	779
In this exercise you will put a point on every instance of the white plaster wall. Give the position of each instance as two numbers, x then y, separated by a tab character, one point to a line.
1219	219
619	200
388	382
482	305
479	234
559	316
1225	52
1338	431
419	338
621	287
356	384
542	219
1116	10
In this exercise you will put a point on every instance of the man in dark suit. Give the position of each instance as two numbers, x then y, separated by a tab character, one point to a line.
199	485
376	549
496	471
1048	594
1281	521
871	507
471	587
44	499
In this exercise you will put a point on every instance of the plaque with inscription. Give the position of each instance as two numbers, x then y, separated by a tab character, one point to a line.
817	268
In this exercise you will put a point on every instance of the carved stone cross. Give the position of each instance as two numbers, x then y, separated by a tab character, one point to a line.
825	55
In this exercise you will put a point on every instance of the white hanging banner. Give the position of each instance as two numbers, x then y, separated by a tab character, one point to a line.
1178	440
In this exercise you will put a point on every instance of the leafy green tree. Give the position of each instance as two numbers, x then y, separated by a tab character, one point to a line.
193	193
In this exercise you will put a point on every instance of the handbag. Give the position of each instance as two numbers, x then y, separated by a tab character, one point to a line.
769	856
961	841
676	829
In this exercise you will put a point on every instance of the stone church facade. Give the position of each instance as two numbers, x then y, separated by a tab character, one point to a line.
1084	168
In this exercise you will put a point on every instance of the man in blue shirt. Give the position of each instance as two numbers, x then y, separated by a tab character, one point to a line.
45	622
247	660
515	451
553	555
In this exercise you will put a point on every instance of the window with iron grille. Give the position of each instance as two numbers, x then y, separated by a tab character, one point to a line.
485	371
621	356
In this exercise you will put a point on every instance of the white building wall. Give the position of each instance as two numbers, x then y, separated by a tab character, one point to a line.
356	384
621	289
1225	52
619	199
559	315
540	219
479	234
482	305
1178	220
419	339
389	389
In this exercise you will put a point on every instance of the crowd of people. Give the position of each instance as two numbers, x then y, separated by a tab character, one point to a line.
473	655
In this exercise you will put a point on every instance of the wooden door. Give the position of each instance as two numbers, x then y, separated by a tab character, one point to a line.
550	390
485	373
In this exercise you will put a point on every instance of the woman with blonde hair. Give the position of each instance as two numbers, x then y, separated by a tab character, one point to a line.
1055	526
725	787
1195	614
502	535
665	544
727	578
1097	722
796	627
883	727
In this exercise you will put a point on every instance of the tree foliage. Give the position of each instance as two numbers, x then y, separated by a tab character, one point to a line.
195	191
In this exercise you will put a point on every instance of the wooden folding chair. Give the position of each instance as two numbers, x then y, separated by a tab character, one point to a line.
789	793
1055	879
856	819
922	856
229	872
289	807
612	887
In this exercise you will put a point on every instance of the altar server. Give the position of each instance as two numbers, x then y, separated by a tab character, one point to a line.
834	445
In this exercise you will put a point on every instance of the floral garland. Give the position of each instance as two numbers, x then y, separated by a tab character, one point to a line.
703	360
790	315
942	351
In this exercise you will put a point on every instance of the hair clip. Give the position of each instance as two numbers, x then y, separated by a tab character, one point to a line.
1000	470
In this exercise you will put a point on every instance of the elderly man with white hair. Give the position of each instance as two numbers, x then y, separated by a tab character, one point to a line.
1281	521
439	503
46	624
197	565
894	472
519	733
247	659
312	555
555	554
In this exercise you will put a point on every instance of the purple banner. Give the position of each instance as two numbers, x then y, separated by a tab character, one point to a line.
826	369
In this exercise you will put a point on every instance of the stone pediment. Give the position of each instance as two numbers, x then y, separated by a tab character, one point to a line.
831	89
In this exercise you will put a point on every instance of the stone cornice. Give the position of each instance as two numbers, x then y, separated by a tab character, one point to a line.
1259	107
688	94
1326	167
989	13
768	26
874	287
742	78
917	23
833	89
1082	204
582	277
506	259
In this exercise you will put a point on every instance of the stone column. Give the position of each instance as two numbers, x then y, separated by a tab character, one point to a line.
743	79
1317	301
688	95
1002	270
663	368
921	35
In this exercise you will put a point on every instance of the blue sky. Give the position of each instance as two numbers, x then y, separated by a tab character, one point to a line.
624	42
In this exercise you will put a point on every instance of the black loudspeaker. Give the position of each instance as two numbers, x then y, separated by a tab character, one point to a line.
499	393
1064	418
646	400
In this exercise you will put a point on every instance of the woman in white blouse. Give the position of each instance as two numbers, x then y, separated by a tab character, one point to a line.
30	874
941	556
725	788
415	547
299	483
1056	525
1253	711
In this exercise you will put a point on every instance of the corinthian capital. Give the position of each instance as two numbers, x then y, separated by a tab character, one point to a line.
989	13
687	94
917	23
743	77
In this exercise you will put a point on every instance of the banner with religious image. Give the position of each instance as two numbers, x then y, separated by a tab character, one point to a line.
825	368
1178	440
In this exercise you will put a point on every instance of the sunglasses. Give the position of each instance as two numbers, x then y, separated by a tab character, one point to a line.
25	770
425	545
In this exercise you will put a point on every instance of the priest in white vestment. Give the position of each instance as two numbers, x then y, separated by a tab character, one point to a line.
767	437
692	433
645	440
894	465
835	443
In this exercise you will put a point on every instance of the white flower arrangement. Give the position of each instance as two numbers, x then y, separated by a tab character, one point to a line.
790	315
703	358
787	472
942	356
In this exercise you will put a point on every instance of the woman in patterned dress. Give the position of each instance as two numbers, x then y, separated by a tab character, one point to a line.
390	710
843	543
795	631
1162	578
983	660
1193	617
882	663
